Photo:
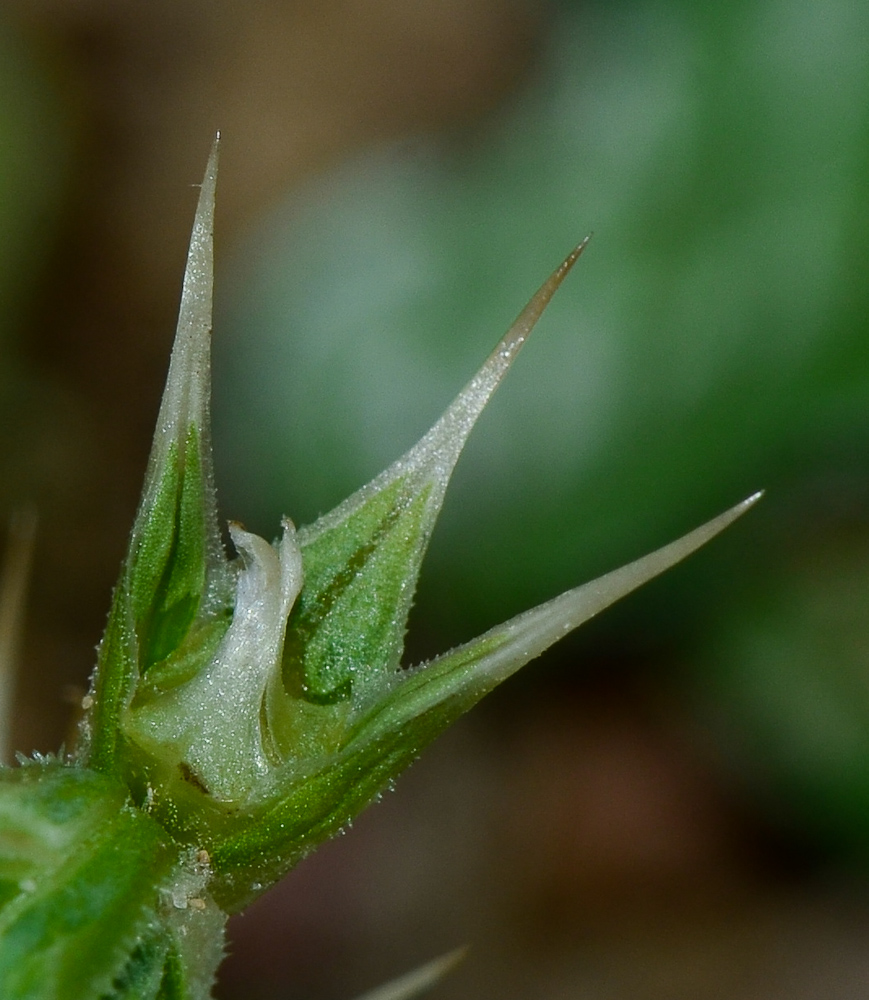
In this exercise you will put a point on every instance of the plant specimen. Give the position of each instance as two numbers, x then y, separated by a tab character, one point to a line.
243	710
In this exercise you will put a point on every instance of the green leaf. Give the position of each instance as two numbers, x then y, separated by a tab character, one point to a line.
96	901
143	974
81	872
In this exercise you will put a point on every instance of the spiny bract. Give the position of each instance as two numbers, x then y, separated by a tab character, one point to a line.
243	710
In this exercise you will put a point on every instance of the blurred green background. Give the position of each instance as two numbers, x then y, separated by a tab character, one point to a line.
675	803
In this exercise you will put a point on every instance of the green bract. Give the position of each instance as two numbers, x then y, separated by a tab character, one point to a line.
244	710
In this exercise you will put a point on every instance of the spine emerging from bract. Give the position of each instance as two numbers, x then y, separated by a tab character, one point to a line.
175	589
253	705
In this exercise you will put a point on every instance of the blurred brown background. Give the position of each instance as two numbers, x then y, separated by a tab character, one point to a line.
578	832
